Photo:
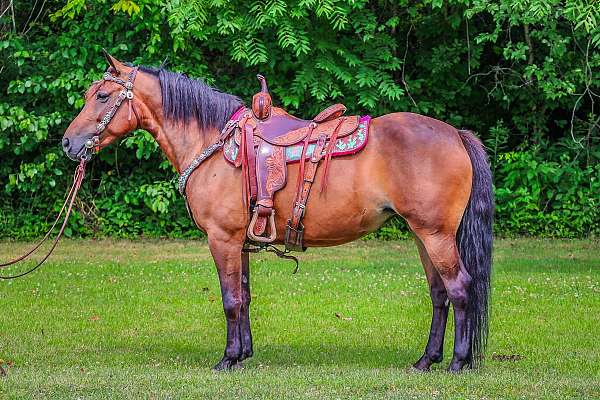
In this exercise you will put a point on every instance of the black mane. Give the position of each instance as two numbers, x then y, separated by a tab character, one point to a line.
185	99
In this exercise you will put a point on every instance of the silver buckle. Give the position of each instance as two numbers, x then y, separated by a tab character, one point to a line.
91	143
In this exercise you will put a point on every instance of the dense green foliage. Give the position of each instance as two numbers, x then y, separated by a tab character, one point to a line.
144	320
523	74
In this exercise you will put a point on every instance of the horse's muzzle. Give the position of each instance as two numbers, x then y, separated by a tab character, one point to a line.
80	149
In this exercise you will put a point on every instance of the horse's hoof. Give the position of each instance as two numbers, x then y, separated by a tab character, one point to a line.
424	363
458	366
226	364
246	354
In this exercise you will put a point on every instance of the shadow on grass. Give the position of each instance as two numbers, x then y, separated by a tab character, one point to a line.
199	355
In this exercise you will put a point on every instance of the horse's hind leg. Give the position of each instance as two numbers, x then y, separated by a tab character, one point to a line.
443	252
245	332
434	350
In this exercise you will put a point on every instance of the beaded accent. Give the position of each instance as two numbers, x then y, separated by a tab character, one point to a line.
185	175
206	153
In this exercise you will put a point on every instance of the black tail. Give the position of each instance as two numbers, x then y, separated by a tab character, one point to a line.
475	237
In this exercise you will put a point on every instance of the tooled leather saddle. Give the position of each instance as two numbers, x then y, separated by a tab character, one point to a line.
267	139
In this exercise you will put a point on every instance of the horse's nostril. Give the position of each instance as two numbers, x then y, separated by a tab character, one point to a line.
65	143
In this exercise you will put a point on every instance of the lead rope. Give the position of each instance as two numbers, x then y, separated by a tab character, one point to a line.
69	200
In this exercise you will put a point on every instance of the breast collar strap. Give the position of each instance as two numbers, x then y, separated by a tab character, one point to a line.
229	127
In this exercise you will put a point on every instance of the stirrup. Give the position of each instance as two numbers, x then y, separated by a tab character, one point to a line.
262	239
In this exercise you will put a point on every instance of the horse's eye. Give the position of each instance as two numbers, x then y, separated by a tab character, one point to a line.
102	96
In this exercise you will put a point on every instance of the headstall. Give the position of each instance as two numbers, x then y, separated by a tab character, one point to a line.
90	146
126	93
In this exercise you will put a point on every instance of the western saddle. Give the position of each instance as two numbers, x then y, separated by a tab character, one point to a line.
264	134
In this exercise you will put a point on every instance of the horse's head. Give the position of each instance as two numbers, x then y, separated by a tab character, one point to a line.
107	115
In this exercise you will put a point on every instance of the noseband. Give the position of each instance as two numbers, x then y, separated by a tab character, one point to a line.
126	93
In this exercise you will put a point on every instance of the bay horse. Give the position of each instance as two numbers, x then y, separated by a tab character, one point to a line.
434	176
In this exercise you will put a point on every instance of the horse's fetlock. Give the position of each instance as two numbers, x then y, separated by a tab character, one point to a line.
233	354
435	356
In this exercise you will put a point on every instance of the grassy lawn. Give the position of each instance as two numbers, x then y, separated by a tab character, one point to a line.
120	319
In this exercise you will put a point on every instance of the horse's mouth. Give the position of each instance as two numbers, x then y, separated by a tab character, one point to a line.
85	153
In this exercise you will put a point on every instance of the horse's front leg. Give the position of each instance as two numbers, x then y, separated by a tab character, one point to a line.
227	256
245	331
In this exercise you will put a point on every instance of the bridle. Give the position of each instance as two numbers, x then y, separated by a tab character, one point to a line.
91	145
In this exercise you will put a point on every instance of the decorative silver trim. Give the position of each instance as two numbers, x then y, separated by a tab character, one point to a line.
206	153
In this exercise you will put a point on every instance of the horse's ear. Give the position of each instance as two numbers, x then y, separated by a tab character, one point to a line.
114	63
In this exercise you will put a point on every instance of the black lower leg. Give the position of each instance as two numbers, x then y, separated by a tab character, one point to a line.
458	294
232	302
435	345
245	332
233	348
434	351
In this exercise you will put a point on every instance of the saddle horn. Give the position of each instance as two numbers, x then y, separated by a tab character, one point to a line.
261	102
263	83
110	60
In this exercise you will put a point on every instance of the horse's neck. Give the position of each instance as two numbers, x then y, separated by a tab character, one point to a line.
181	143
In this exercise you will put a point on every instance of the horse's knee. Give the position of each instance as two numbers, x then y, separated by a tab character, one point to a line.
232	306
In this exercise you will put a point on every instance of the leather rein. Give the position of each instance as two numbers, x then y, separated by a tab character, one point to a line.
70	199
91	147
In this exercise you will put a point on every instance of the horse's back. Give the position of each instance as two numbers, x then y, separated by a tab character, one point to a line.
409	131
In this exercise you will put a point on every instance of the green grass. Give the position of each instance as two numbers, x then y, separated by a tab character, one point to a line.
119	319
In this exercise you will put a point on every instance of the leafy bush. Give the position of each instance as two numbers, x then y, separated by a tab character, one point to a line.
522	73
549	198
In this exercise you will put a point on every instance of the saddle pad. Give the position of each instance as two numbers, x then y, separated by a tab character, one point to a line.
346	145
